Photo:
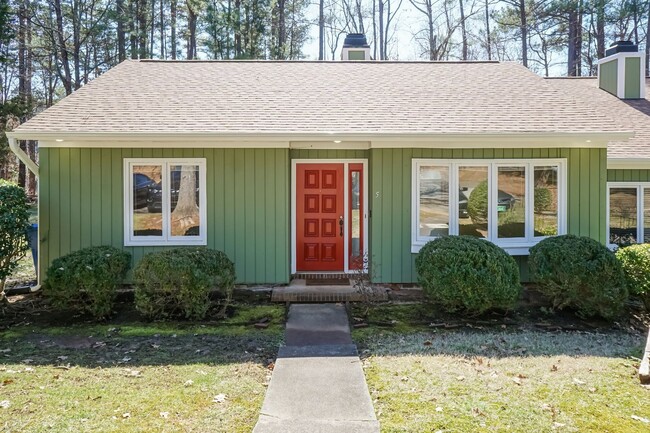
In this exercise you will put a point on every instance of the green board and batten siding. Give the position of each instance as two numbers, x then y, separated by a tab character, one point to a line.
628	175
608	76
81	204
633	78
248	208
390	190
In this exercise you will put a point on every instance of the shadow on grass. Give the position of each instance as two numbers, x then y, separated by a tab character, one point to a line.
408	329
32	334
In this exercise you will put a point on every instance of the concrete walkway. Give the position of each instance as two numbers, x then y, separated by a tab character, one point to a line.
317	385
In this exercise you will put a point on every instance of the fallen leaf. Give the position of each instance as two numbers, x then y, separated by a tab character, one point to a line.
558	425
219	398
554	367
461	378
516	380
7	382
438	409
643	420
189	382
164	414
5	404
126	415
62	357
427	343
578	381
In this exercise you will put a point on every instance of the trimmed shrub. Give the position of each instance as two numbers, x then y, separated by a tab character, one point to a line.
635	261
14	222
87	280
579	272
177	283
469	274
477	203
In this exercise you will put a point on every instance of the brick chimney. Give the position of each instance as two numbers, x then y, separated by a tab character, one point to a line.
621	72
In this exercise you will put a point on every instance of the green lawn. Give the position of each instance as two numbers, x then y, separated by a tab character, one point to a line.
505	380
138	377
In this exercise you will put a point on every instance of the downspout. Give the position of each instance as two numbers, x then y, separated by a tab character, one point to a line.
33	167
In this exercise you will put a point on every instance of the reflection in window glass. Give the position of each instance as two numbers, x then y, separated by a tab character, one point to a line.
147	206
545	201
511	199
434	201
184	200
355	248
622	216
473	201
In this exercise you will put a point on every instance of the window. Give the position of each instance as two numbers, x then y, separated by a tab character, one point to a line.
628	213
513	203
165	202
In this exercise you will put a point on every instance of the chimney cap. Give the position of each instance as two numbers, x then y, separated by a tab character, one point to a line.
622	47
355	40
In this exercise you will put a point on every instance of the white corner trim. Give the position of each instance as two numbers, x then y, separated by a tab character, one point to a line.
166	239
620	71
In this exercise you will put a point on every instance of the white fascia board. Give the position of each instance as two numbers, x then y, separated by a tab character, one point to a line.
326	140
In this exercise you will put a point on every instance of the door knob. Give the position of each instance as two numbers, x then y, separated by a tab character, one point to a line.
341	224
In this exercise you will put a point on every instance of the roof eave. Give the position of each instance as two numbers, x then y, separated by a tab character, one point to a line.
285	139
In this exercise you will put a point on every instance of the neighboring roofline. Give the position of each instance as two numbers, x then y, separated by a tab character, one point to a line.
628	163
324	139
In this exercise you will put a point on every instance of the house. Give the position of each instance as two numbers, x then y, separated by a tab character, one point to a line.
307	167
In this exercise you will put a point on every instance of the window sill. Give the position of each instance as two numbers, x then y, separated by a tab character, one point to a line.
512	249
166	243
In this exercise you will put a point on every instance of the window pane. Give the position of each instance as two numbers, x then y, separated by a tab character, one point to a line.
184	200
511	199
546	201
473	201
434	201
147	207
355	248
646	215
622	216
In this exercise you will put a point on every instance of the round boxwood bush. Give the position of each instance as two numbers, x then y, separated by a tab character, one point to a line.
579	272
635	261
469	274
178	282
87	280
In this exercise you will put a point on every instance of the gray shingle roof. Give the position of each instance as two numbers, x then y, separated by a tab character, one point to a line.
629	115
318	97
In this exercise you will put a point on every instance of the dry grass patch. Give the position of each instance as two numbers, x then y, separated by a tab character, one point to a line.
138	377
498	381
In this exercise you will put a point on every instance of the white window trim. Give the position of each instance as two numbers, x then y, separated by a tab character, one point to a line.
639	186
514	246
166	239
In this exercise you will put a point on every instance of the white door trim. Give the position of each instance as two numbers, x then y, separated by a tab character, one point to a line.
346	163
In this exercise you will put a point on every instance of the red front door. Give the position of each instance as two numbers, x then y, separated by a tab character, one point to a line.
319	217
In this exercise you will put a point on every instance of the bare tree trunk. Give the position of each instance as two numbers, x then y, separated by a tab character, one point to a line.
524	32
142	29
600	29
162	30
121	40
237	29
133	33
153	27
191	37
487	30
647	47
321	30
374	29
173	12
66	77
463	29
381	30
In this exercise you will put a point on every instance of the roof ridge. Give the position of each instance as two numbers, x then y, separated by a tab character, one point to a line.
365	62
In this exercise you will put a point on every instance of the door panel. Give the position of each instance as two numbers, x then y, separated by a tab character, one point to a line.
320	209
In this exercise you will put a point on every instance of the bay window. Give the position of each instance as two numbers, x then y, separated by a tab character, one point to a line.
164	202
513	203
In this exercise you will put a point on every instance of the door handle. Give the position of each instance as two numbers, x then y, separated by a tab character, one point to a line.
341	224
